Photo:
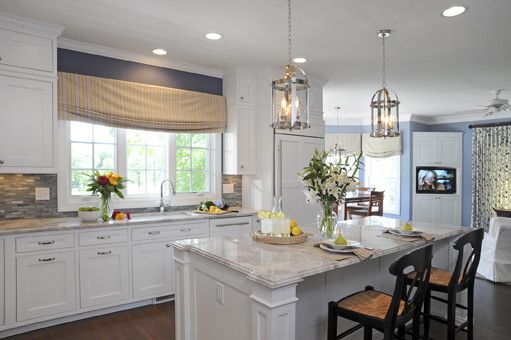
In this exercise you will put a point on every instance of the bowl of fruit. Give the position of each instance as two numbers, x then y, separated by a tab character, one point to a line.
277	229
213	208
89	214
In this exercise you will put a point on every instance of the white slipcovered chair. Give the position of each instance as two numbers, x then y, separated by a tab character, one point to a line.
495	264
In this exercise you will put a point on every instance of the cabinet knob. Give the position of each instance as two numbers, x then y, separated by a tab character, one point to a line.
242	166
1	161
0	58
167	245
240	97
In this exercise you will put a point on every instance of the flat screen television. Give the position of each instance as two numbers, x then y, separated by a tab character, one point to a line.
435	180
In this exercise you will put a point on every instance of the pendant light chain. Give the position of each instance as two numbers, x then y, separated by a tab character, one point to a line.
289	46
384	82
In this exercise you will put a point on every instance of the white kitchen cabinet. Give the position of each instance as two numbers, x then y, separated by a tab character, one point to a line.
292	155
26	123
104	275
239	87
239	141
153	270
2	283
45	284
432	148
230	227
437	209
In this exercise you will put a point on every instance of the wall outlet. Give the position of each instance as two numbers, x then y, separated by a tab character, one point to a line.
220	293
42	194
228	188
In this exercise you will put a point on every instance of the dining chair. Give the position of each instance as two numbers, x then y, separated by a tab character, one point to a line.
374	208
363	191
463	277
386	313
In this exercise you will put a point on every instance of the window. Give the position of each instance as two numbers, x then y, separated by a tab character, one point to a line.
383	174
92	148
144	157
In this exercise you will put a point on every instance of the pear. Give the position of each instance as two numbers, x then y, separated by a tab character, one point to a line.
407	227
340	241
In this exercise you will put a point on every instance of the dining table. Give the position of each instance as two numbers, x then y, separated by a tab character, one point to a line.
355	197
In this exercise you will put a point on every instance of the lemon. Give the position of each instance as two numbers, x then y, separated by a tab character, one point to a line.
296	231
293	223
263	214
341	241
272	216
281	215
407	227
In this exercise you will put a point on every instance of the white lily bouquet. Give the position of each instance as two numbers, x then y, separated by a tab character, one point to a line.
327	184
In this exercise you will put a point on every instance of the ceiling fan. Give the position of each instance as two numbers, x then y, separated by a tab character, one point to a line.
496	104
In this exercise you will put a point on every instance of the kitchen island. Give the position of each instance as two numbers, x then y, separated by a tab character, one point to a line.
235	288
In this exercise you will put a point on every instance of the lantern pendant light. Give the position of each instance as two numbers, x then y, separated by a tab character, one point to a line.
384	104
335	153
290	92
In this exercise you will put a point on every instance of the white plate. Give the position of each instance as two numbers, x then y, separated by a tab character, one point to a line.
351	244
340	251
411	233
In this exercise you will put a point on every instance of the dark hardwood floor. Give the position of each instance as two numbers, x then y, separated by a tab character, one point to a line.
492	321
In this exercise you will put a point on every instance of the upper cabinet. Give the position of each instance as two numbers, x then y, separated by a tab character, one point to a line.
240	136
432	148
28	70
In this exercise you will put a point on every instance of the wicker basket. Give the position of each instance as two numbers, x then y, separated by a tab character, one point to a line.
258	236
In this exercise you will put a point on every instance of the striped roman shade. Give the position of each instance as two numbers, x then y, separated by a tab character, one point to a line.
131	105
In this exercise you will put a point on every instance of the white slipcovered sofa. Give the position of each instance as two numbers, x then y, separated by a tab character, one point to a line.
495	264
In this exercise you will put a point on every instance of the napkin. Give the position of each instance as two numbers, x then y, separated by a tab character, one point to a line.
361	253
421	236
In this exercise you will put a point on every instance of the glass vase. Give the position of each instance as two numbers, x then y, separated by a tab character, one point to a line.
327	220
106	204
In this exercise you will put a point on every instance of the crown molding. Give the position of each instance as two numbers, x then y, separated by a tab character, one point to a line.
35	27
475	116
110	52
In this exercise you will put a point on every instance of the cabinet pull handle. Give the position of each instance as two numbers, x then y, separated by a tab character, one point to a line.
106	237
48	259
154	232
232	224
45	243
186	229
167	245
1	161
108	252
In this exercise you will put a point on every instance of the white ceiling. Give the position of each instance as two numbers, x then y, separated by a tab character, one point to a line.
436	65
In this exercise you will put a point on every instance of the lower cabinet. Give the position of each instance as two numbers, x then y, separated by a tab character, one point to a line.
437	209
45	284
2	281
152	270
104	276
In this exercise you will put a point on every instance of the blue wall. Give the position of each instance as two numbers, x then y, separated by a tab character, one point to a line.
99	66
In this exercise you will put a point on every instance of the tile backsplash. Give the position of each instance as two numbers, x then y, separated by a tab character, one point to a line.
17	196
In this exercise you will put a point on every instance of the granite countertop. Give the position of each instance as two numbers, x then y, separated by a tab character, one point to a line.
19	226
277	265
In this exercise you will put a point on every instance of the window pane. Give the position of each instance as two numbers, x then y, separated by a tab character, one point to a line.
154	179
183	139
156	138
199	159
104	134
79	181
135	136
156	157
182	159
81	156
80	132
182	181
199	183
136	157
136	185
199	140
104	156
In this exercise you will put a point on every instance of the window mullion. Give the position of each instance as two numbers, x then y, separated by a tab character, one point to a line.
121	153
171	157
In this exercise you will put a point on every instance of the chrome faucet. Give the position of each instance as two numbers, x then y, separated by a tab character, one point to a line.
173	191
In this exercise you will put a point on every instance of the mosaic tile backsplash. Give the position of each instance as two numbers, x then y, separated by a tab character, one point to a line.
17	196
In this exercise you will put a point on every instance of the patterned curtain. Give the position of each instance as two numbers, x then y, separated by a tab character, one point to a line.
491	172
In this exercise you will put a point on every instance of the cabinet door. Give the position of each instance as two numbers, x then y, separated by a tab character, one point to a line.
449	211
246	141
448	151
45	284
153	270
2	280
26	51
246	90
26	123
425	209
104	276
424	150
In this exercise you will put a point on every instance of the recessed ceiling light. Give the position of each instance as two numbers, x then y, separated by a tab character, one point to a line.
454	11
213	36
300	60
159	51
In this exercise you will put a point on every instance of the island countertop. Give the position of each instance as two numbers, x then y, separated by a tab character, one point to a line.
19	226
277	265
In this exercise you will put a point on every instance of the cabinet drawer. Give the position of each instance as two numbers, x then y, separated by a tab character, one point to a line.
38	243
103	237
170	231
26	51
236	225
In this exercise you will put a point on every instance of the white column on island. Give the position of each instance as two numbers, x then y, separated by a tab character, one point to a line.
182	300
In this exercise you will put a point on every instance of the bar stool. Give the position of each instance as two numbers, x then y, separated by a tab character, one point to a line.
454	282
384	312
